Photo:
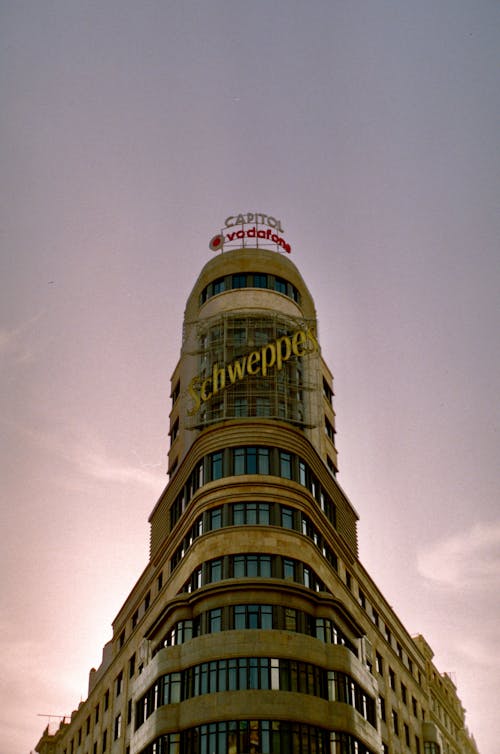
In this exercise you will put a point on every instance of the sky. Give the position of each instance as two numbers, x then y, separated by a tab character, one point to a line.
128	132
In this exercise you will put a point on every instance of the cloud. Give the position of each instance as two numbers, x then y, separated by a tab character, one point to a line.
99	466
25	663
470	559
13	342
87	454
477	651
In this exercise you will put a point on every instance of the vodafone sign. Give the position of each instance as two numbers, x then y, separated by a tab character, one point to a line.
238	228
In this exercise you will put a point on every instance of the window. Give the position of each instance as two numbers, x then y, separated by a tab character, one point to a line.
195	580
172	689
96	714
119	684
104	740
244	673
215	570
215	620
328	632
290	619
289	569
106	700
182	631
331	466
263	460
135	619
395	722
176	391
303	473
251	279
262	406
404	695
216	465
379	663
215	517
392	679
240	407
131	666
286	517
407	734
362	599
219	286
255	673
239	280
121	640
327	391
261	337
285	464
251	460
348	579
342	688
381	707
251	513
280	285
118	726
240	456
252	565
215	409
257	616
253	616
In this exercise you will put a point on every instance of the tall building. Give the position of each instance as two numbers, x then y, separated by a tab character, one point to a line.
254	628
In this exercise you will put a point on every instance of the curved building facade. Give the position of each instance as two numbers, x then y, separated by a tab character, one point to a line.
254	628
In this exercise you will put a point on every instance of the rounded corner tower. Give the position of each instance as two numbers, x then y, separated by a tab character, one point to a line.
252	520
250	351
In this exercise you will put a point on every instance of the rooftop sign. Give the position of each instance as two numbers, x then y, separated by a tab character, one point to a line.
238	228
261	361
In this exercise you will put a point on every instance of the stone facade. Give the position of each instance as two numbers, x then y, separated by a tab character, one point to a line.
254	628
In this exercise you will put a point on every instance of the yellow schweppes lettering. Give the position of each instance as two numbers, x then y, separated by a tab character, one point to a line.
271	356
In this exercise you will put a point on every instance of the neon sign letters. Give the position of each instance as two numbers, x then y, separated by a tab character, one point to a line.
269	235
271	356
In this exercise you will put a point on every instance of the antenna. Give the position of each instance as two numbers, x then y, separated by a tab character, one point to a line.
59	717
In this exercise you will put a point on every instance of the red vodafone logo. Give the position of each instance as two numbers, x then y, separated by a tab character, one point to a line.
217	242
269	238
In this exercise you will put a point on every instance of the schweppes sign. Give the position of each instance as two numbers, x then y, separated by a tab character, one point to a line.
262	361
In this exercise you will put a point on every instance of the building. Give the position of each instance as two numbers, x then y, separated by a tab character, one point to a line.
254	628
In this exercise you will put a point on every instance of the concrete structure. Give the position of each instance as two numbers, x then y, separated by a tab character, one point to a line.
254	628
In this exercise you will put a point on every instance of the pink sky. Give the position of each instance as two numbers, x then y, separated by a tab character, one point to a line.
128	132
